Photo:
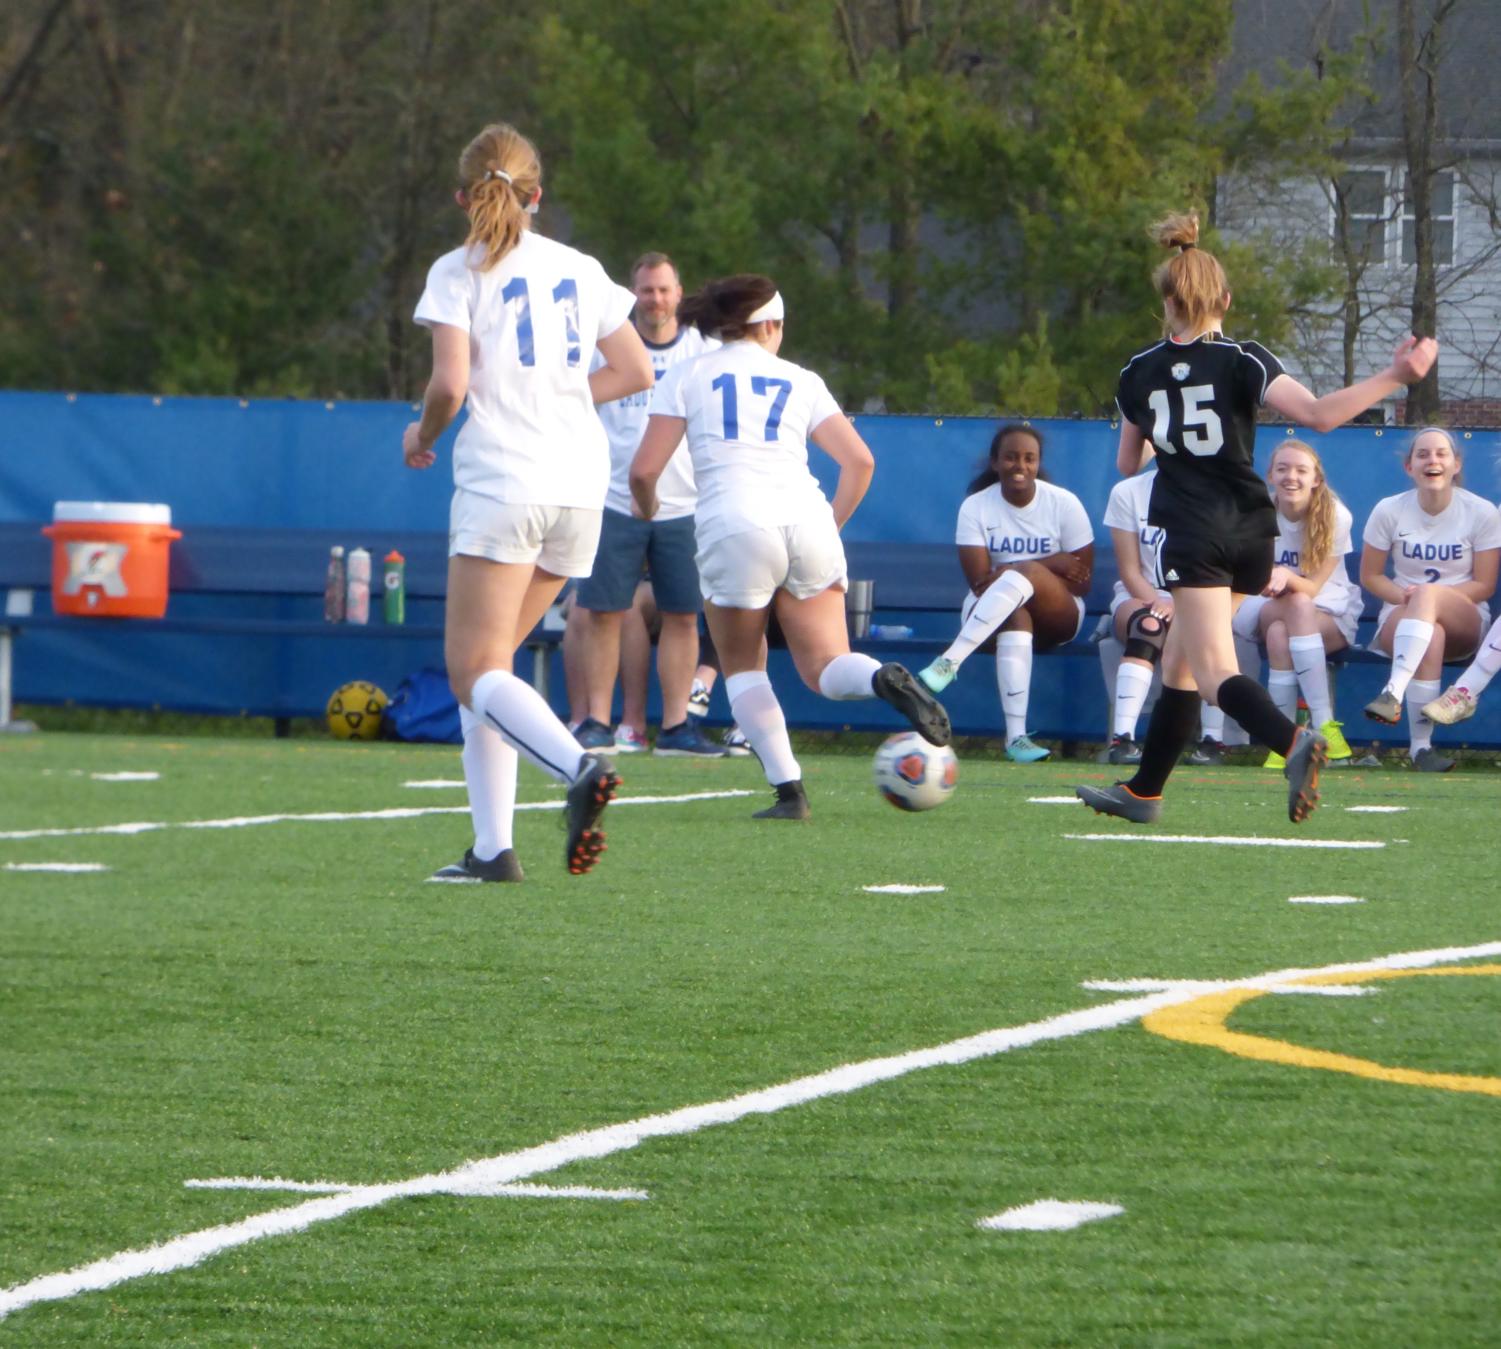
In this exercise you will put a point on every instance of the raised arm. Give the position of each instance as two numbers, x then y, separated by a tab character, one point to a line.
1410	362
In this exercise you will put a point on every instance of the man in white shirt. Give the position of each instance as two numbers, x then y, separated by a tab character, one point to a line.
631	548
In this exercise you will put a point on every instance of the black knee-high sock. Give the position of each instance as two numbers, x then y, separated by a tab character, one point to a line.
1174	721
1244	699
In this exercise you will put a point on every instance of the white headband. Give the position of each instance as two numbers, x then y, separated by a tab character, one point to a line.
772	309
497	173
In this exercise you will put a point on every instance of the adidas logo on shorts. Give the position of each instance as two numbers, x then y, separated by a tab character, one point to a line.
1172	574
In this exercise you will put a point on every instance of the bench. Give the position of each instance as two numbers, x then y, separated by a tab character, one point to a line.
260	585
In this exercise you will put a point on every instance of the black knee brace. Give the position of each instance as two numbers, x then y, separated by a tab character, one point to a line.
1145	633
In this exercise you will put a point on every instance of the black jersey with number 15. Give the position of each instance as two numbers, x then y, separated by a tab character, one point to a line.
1196	402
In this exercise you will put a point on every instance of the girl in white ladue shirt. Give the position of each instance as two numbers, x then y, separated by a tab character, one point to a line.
1310	607
765	532
1445	549
515	322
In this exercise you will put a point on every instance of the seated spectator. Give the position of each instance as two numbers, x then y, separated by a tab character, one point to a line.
1140	610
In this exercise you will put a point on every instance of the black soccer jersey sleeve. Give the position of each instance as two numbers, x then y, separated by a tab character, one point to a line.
1256	369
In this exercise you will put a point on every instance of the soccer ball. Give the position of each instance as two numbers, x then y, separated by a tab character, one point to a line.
914	775
355	710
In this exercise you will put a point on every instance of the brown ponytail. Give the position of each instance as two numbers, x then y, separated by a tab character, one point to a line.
497	207
1192	279
720	308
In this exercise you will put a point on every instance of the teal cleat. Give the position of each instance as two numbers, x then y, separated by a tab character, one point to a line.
940	674
1026	750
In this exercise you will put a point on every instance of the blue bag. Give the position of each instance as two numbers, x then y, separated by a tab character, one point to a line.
424	709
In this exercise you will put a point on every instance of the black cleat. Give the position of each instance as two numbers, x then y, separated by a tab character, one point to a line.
894	684
502	867
1309	753
592	790
792	803
1121	802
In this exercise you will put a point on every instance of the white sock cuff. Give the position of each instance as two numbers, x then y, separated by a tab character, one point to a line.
1133	673
1311	641
1014	637
486	684
1287	678
1017	584
1413	627
1421	691
468	721
849	676
736	684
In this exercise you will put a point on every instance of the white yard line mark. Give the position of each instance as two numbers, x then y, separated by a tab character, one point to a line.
1054	801
55	866
510	1167
1199	987
1324	899
470	1191
1225	840
1375	810
434	783
1049	1215
903	889
125	777
341	816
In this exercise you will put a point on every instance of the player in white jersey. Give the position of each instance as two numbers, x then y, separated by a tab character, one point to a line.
630	546
1444	546
1027	551
1140	610
767	535
1310	606
515	322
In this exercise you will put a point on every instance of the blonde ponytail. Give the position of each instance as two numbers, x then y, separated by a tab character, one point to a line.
1192	279
499	173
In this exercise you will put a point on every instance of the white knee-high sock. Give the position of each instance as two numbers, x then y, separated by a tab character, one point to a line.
758	714
1420	692
1486	665
1311	665
1007	593
521	714
1211	723
1409	642
1013	672
1133	681
490	774
848	677
1283	686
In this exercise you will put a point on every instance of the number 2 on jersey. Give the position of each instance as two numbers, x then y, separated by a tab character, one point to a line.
565	294
761	385
1197	412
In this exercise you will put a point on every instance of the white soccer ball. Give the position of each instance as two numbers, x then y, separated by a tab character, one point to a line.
914	775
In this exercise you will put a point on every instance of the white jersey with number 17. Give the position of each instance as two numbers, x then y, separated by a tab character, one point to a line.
749	415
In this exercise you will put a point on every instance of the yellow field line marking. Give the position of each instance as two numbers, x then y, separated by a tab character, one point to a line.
1202	1022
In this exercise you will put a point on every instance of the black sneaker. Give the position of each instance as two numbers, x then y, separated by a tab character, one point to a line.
592	790
1310	752
1123	750
593	734
1207	751
895	685
792	803
1120	801
471	871
1431	761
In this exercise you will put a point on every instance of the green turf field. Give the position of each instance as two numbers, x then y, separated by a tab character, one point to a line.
287	999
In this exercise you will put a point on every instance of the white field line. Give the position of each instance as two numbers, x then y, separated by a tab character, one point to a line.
1324	899
1054	801
1198	987
1049	1215
433	784
1375	810
471	1191
340	816
509	1167
55	866
125	777
1226	840
903	889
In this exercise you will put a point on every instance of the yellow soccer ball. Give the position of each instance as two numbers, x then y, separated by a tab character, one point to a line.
356	709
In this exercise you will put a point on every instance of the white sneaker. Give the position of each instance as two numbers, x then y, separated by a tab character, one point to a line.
698	700
627	741
735	743
1455	704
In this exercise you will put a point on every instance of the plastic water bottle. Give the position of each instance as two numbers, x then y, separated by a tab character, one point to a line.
357	589
333	586
394	579
891	630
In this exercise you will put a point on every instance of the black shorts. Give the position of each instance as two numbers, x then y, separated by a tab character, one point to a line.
1197	562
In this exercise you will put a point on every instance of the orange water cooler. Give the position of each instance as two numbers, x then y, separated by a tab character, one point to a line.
109	558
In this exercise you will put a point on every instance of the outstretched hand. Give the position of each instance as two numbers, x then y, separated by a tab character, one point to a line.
1414	358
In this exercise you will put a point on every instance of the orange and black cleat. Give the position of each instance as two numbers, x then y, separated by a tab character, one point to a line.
1309	754
592	790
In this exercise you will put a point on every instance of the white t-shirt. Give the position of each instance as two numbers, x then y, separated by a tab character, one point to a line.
1054	521
1130	499
1338	595
1433	549
749	414
532	436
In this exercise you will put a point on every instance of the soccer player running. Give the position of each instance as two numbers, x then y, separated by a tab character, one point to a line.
1192	400
516	320
767	536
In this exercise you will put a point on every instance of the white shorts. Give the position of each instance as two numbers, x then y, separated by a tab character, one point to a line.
744	571
1247	622
559	539
971	599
